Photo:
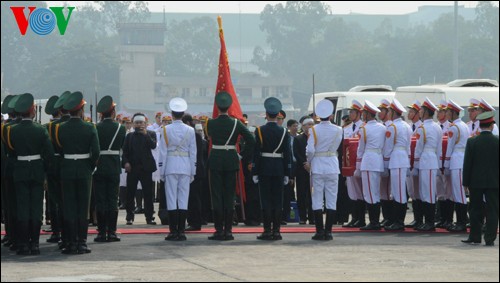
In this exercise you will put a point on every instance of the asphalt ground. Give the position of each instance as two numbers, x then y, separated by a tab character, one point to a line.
349	257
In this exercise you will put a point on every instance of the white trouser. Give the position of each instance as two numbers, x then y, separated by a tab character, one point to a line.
428	185
457	188
385	188
413	186
177	191
398	185
325	186
371	186
443	187
354	188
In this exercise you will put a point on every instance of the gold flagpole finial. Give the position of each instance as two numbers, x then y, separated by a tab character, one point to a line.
219	21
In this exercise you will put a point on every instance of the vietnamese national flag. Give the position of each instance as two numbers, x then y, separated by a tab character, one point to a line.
224	82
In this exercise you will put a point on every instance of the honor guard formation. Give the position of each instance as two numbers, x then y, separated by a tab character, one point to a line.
199	169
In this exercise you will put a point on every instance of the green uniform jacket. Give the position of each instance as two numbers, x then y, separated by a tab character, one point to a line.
11	155
28	138
110	164
78	137
219	130
481	162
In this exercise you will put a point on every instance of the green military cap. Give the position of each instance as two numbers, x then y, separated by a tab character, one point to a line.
74	101
272	105
49	107
105	105
223	99
60	102
486	117
24	103
12	103
5	104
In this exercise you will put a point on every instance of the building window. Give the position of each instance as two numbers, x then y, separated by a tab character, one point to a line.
244	92
282	92
185	92
265	92
203	92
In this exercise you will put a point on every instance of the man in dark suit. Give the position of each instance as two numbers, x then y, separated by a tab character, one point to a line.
139	163
272	168
480	175
304	202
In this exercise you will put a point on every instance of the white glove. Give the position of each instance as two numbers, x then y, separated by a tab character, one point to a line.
239	156
385	173
447	172
414	172
255	179
162	178
192	179
408	171
286	180
357	173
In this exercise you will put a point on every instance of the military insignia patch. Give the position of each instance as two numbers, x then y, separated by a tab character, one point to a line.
388	134
450	134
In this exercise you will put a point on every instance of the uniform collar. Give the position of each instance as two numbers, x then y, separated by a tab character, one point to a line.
457	121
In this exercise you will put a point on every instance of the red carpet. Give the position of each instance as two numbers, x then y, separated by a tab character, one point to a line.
253	230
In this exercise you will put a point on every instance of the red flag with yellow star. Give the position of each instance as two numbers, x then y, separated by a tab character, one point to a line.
224	82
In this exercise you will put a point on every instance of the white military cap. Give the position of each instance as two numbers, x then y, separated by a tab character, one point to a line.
178	104
454	106
397	106
356	105
474	103
443	105
428	103
324	108
485	105
384	104
370	107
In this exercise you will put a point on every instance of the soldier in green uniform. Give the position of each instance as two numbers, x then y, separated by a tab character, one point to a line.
80	148
272	168
53	183
31	145
7	204
107	177
223	164
480	175
54	172
10	190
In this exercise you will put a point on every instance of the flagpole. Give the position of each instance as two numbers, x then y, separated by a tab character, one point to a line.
95	88
314	99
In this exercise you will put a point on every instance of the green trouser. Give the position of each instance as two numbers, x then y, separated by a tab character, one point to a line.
55	202
106	189
476	214
223	190
76	198
271	190
29	196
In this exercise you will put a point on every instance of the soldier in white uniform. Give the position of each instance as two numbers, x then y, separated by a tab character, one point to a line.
397	160
385	185
427	152
413	181
458	134
322	145
371	162
484	106
354	184
473	123
178	168
443	182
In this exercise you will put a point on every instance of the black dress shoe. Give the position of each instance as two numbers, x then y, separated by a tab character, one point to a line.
54	238
359	224
457	228
151	222
277	236
371	227
130	222
469	241
427	227
395	227
101	238
83	249
284	223
24	250
349	225
172	237
318	236
5	239
112	237
413	224
35	249
191	228
70	249
217	236
490	244
181	237
328	236
228	237
266	236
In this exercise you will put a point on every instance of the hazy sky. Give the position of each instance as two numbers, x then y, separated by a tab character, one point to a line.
338	7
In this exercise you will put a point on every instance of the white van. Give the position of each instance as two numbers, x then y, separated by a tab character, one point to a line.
460	91
342	100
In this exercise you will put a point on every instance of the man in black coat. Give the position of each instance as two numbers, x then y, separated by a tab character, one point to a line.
139	163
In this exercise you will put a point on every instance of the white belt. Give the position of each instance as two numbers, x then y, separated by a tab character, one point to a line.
400	148
272	155
29	157
57	154
77	156
431	149
376	150
178	153
460	149
110	152
224	147
325	154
